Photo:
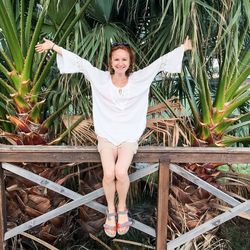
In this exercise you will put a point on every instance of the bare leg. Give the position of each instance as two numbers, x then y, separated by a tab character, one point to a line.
108	158
125	156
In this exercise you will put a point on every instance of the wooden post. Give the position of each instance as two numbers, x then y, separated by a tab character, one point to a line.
2	210
162	208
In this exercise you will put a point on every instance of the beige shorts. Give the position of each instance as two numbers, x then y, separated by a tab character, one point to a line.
104	143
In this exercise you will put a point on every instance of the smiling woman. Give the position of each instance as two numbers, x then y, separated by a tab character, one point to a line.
120	101
121	61
121	55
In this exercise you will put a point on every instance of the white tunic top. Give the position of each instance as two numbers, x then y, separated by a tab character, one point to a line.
119	114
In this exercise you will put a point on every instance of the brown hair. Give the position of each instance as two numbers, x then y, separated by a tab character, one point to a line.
131	57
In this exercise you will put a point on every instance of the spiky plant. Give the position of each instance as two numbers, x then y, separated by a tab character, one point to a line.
216	101
25	85
214	81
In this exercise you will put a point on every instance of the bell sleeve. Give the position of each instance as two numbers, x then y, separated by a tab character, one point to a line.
69	63
170	62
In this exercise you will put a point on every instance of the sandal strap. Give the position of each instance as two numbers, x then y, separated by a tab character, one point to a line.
125	224
122	212
109	215
107	226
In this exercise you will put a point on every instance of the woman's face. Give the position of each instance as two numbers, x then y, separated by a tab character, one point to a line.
120	61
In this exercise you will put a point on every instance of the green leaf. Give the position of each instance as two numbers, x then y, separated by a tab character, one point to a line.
7	87
52	117
21	104
28	24
37	85
10	34
228	141
66	132
101	10
26	74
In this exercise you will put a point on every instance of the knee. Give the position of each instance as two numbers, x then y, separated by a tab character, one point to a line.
121	174
109	177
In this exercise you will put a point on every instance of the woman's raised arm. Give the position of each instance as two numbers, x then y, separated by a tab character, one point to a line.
187	44
46	45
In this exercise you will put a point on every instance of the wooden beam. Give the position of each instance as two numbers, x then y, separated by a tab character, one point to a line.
3	244
209	225
65	191
78	199
145	154
205	185
162	208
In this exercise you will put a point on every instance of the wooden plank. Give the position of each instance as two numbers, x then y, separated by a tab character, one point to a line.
63	209
46	182
144	149
145	154
47	216
143	172
162	207
3	244
74	204
218	220
78	199
205	185
65	191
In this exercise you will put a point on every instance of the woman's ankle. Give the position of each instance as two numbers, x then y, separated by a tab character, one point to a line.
121	208
111	209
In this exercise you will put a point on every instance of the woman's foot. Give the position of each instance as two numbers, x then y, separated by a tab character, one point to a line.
124	223
110	224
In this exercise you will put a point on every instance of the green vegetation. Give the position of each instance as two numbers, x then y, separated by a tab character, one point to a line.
238	168
206	105
238	233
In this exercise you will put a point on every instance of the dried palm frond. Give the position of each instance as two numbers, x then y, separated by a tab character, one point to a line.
91	220
161	129
83	133
133	243
27	200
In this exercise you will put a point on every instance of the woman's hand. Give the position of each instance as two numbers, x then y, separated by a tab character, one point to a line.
40	48
187	44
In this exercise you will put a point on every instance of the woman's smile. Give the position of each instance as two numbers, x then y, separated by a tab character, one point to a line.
120	61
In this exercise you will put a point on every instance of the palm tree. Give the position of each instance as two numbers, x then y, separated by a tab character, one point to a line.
26	84
215	102
214	80
213	87
24	95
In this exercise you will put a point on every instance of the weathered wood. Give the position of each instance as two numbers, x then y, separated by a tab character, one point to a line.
145	154
2	210
47	183
205	185
162	208
65	191
47	216
218	220
78	199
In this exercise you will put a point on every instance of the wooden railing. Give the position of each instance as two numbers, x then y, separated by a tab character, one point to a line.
165	159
